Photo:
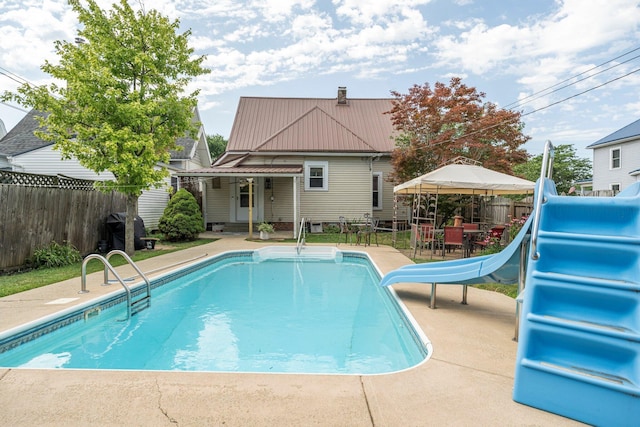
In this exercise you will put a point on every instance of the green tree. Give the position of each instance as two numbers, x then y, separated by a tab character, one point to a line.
567	168
217	145
182	219
123	104
437	125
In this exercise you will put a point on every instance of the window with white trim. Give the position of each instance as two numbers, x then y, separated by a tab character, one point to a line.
377	191
316	176
615	187
615	158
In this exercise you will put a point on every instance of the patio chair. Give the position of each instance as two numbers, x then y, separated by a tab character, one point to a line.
365	230
345	229
427	237
453	238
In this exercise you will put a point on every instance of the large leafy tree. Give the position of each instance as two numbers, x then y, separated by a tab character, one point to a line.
567	168
122	102
217	145
436	125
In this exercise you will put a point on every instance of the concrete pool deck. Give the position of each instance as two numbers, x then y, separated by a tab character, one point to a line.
467	381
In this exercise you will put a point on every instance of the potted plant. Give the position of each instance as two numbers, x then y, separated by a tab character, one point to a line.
265	228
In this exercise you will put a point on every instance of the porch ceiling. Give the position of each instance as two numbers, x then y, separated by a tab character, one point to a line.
282	170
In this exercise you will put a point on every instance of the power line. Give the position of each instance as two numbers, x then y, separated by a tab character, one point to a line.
583	92
571	84
577	75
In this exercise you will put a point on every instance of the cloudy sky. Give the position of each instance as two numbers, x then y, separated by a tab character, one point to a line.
572	66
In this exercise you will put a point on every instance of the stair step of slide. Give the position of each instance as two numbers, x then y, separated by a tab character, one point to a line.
589	326
576	372
578	278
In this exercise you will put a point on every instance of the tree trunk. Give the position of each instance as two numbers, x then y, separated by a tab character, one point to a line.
129	227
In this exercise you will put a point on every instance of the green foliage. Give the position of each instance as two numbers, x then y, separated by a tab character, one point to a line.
217	145
55	255
515	225
567	168
265	227
182	219
493	246
118	101
436	125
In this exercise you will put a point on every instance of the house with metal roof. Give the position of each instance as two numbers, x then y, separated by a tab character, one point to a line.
616	159
22	151
294	158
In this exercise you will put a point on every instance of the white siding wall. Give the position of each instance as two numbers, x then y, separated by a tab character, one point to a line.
386	214
218	199
152	203
349	192
604	176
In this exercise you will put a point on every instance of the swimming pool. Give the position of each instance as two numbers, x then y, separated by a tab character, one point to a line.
248	311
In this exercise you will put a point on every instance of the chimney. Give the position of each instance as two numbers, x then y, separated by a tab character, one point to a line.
342	95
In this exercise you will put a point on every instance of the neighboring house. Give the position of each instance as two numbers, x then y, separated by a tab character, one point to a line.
22	151
312	158
616	159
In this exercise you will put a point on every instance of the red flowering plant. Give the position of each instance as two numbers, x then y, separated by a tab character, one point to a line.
491	244
515	225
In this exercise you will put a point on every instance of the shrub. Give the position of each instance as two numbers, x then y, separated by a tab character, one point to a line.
55	255
182	219
265	227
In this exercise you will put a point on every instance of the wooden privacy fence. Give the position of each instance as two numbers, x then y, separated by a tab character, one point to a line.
36	212
500	210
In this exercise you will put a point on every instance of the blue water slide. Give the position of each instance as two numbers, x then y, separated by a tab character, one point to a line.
503	267
579	339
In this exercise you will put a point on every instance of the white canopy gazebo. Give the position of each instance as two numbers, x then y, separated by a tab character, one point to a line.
465	179
458	178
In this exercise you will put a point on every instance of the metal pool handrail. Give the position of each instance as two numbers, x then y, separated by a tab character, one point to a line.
301	236
547	163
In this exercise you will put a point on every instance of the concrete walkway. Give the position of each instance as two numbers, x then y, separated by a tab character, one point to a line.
468	380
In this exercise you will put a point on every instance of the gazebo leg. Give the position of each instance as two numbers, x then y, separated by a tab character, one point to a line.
464	295
432	303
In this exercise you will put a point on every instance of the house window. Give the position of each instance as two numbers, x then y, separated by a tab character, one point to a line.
377	191
215	183
316	176
615	187
615	158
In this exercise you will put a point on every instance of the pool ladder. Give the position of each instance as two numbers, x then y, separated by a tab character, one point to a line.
133	306
302	234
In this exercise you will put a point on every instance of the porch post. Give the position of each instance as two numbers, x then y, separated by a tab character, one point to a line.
250	180
295	207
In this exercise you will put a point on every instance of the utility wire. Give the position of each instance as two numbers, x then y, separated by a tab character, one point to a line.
573	77
531	98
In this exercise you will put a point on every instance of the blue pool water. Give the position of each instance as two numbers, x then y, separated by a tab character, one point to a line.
242	314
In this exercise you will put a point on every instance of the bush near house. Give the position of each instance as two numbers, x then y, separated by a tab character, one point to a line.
182	219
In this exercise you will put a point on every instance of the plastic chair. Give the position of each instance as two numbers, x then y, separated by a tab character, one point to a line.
453	238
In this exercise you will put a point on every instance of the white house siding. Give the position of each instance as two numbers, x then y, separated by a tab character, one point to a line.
604	176
349	192
281	208
218	199
386	214
151	205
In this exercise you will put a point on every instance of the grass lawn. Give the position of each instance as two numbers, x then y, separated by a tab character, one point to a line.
18	282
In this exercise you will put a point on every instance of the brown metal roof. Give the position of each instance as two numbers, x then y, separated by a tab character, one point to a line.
311	125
